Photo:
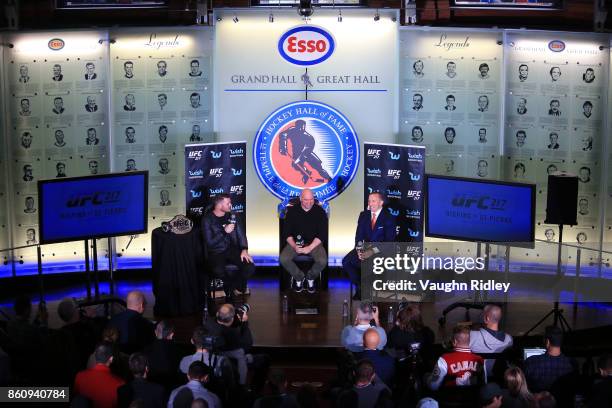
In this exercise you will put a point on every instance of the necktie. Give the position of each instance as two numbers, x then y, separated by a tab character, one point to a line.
373	220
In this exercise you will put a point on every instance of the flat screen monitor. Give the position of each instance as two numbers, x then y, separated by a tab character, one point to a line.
480	210
79	208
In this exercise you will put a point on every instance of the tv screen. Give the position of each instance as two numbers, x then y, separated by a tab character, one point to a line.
80	208
516	4
480	210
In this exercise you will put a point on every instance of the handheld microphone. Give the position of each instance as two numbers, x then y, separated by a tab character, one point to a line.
233	218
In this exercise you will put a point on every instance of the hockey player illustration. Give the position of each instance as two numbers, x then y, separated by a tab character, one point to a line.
302	152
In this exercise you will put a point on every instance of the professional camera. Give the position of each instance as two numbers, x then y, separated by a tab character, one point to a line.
242	309
211	343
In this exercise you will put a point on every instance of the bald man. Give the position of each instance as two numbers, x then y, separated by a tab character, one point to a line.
135	332
384	365
459	368
305	231
490	339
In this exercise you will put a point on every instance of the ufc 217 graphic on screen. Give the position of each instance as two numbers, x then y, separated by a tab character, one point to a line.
397	171
212	169
306	144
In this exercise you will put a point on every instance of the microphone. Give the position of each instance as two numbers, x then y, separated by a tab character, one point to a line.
233	218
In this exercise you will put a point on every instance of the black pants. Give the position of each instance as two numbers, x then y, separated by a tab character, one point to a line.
232	279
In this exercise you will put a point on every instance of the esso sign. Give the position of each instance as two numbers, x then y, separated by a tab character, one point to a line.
306	45
556	46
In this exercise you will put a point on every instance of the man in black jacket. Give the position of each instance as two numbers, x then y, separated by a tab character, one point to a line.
305	231
152	395
226	243
135	332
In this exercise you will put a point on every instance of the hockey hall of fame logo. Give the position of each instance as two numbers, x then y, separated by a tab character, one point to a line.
306	145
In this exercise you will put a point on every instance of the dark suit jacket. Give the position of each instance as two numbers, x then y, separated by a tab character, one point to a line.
153	395
384	230
93	76
216	240
384	365
135	331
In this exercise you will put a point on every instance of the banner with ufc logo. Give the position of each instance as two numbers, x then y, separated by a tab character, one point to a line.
211	169
397	171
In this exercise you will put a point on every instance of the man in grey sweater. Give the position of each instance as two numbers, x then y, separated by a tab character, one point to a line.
352	336
490	339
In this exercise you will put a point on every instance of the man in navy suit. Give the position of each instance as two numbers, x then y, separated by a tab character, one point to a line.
374	225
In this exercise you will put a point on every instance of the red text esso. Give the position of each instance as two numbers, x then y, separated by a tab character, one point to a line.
306	45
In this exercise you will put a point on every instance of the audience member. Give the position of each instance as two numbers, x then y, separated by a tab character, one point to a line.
410	333
280	397
352	336
490	339
197	375
152	395
5	368
546	400
22	332
367	387
460	367
234	336
305	233
119	366
81	332
163	355
135	332
98	384
490	396
516	394
202	341
199	403
427	403
544	370
601	395
384	365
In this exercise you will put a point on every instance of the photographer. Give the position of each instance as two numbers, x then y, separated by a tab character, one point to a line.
204	345
233	335
367	316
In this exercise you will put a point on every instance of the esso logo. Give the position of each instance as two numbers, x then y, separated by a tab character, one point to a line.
56	44
556	46
306	45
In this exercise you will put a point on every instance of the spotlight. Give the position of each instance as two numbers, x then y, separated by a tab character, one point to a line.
376	16
305	9
235	19
339	16
271	18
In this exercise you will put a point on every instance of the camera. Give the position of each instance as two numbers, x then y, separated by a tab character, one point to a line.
211	342
242	309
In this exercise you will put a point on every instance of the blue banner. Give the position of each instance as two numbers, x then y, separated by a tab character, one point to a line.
398	171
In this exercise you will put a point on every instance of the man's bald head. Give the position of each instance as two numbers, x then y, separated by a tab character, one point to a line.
307	199
461	337
226	313
371	339
492	315
136	301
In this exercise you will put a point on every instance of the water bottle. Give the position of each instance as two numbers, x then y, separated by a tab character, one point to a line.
390	315
345	309
285	304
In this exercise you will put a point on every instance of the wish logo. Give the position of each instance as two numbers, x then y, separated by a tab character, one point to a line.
236	172
480	202
394	173
195	194
238	207
215	155
414	194
413	213
195	154
216	172
414	177
215	191
415	156
413	233
239	152
394	156
194	174
374	153
306	145
374	172
394	193
393	212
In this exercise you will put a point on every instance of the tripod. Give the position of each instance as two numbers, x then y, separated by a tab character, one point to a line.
557	314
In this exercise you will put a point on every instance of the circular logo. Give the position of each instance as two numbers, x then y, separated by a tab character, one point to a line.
56	44
556	46
306	45
306	145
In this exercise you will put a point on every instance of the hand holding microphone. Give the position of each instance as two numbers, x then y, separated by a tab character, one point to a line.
229	228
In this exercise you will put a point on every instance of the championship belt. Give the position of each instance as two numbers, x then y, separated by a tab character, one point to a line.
178	225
